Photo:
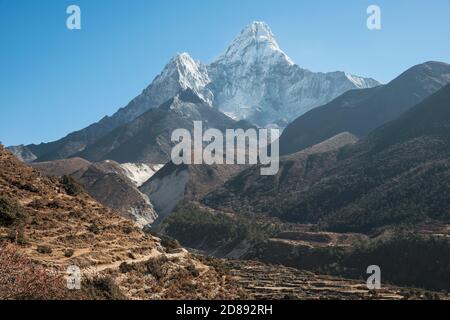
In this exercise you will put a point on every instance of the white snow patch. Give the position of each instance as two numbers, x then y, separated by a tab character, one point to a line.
139	173
166	192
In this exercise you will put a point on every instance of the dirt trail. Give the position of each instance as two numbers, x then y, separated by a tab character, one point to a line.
93	270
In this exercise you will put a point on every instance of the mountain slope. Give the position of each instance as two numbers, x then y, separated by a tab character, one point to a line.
250	192
56	227
147	139
108	183
139	173
59	168
23	153
174	183
181	73
400	173
361	111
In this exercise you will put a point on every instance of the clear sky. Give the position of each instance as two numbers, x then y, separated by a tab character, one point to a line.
54	81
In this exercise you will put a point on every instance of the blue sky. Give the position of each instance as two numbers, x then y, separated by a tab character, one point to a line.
54	81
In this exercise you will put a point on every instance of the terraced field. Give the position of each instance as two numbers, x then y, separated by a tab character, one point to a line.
266	281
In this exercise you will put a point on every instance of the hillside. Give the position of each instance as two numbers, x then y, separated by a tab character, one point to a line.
173	183
108	183
53	224
148	138
305	247
65	167
274	281
56	224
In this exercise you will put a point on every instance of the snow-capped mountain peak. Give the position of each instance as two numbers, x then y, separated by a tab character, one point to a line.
255	80
181	73
191	74
360	82
256	42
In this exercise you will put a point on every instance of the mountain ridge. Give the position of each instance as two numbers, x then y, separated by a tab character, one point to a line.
147	139
361	111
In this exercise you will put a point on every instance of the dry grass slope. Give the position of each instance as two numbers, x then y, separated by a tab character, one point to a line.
55	229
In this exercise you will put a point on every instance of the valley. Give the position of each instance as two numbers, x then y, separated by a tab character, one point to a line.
305	247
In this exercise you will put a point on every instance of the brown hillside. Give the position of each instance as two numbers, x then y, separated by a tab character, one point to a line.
50	217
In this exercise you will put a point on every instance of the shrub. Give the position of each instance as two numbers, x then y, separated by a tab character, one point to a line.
20	278
170	243
187	286
25	186
128	229
156	268
94	229
17	235
71	186
104	288
193	270
68	253
218	265
10	212
44	249
126	267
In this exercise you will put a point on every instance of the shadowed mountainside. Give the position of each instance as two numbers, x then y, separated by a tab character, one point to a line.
400	173
147	139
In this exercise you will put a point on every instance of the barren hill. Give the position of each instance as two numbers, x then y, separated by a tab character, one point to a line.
56	224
